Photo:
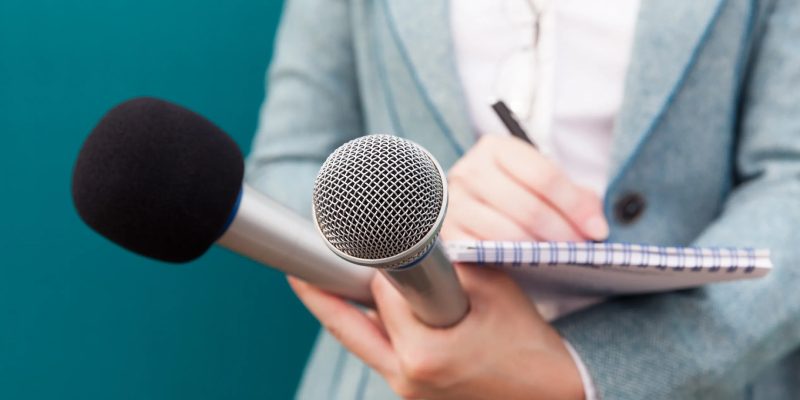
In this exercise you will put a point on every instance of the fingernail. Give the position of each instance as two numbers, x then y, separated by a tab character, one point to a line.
596	227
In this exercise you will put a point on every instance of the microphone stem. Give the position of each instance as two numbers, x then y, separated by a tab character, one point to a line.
432	289
271	234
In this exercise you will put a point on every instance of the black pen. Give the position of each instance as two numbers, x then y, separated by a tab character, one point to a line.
511	123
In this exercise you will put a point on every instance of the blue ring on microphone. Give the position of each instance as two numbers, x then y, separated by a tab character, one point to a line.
418	260
232	215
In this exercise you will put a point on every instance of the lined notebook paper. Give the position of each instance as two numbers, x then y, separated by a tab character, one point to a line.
613	268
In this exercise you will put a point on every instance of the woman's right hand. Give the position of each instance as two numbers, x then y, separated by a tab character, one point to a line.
504	189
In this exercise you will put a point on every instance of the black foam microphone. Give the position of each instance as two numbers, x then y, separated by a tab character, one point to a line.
166	183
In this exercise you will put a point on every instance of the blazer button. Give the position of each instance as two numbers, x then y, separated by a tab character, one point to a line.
629	208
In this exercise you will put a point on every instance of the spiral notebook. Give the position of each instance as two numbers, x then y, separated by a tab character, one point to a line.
605	269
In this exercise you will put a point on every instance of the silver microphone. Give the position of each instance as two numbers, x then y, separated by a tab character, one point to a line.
265	231
379	201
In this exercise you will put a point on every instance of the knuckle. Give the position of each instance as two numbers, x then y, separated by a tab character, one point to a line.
405	389
547	179
463	170
423	367
535	213
456	173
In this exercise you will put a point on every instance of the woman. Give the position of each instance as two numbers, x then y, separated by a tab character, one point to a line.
681	116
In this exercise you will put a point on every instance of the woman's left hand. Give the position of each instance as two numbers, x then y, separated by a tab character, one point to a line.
501	349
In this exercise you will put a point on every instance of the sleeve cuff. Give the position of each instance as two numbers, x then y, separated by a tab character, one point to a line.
589	391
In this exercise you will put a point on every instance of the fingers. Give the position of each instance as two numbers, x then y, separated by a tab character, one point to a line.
490	282
480	221
580	206
537	217
355	330
517	182
393	309
452	232
474	278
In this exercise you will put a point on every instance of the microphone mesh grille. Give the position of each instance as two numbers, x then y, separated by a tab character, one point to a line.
377	196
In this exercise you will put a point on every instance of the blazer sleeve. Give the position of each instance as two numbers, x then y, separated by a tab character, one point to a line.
708	343
312	102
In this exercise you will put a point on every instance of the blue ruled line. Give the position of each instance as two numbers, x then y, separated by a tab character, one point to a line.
715	260
627	254
662	258
553	253
571	253
734	260
751	261
681	260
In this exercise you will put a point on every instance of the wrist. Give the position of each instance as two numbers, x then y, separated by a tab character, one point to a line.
544	374
566	376
589	390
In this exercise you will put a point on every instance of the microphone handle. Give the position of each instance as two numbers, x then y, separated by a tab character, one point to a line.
432	289
268	232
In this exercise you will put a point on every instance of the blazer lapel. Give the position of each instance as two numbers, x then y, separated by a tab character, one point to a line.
668	37
421	29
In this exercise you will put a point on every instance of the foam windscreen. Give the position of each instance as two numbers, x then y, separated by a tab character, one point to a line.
158	179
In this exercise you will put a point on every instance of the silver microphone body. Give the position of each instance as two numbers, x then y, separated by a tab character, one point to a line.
267	232
379	201
432	289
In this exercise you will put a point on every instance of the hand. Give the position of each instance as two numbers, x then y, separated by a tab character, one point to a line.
502	349
504	189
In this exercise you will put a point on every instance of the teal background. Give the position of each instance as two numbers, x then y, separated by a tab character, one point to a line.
79	317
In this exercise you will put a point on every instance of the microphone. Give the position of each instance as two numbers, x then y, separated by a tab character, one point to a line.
166	183
379	201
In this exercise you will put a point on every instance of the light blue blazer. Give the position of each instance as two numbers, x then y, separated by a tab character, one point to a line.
708	138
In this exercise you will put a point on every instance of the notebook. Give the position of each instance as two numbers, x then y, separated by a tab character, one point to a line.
607	269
